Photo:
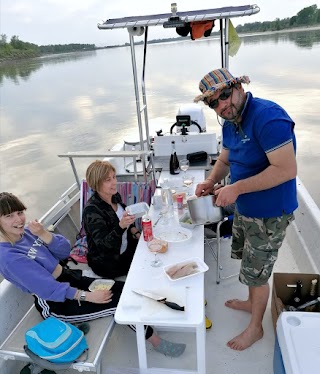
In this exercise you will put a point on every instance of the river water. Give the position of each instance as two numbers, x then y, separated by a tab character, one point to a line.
85	101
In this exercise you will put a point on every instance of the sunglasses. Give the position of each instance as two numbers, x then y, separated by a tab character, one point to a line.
225	94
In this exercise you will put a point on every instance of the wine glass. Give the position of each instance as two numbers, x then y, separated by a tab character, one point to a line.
155	246
188	182
184	165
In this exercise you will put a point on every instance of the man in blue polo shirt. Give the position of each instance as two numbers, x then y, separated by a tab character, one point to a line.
258	149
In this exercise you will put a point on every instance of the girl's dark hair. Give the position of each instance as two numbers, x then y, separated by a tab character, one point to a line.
9	203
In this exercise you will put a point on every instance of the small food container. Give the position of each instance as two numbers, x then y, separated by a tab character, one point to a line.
101	284
138	210
185	269
186	221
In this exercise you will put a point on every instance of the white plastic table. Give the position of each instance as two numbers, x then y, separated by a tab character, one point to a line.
137	310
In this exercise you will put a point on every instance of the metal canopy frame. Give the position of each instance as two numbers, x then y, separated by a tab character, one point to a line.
189	16
141	24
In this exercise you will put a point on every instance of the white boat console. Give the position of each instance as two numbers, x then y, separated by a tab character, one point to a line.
193	142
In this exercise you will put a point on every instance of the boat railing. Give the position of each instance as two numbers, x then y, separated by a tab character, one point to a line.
63	217
135	155
67	207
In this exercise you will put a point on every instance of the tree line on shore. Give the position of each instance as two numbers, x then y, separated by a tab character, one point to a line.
309	16
16	48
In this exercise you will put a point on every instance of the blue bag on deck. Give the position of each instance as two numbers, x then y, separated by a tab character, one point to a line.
56	341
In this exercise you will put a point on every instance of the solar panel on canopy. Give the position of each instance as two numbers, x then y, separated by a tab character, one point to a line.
190	16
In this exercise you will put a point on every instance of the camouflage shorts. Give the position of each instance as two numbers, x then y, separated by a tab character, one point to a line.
256	242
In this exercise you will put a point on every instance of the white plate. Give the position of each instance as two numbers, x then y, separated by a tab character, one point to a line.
200	267
179	234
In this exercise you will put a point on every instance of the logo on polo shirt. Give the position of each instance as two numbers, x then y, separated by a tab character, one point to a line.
245	139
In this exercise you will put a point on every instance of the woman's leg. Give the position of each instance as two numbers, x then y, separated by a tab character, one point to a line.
70	310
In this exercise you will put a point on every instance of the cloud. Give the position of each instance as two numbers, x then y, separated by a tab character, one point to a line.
75	21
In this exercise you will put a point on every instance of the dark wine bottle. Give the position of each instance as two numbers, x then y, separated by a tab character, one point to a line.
174	162
296	299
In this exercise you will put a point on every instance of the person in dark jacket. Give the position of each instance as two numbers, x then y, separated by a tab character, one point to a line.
111	233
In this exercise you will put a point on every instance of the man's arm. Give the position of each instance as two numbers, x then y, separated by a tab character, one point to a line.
219	171
283	167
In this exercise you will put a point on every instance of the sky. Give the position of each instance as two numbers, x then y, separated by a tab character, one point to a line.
46	22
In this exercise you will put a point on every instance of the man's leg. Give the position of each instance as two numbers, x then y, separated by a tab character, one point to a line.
261	241
256	303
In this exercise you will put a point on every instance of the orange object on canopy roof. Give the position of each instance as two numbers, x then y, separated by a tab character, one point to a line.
200	29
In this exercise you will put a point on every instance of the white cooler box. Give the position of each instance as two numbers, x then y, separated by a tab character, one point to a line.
298	351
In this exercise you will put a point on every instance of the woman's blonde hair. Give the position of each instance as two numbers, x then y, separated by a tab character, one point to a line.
9	203
97	172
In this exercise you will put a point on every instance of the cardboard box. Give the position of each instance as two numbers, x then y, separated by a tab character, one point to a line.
280	290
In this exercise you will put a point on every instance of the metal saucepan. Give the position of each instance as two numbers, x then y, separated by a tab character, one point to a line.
203	210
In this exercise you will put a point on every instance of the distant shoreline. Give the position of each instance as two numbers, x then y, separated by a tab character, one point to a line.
304	28
170	40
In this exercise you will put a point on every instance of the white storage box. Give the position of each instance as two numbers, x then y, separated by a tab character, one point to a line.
298	335
138	209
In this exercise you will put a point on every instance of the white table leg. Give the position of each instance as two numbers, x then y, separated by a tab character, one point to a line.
141	344
201	348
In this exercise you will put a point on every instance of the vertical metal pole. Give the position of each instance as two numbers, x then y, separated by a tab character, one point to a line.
221	43
226	42
144	98
143	89
136	86
75	172
136	90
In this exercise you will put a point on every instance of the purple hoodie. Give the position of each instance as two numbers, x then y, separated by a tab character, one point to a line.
29	264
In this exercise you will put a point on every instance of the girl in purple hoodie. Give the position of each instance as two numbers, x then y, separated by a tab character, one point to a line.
30	259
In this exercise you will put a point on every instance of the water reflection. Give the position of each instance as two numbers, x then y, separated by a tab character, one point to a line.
22	69
16	70
302	39
85	101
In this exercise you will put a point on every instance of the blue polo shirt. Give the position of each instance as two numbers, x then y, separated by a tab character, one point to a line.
265	127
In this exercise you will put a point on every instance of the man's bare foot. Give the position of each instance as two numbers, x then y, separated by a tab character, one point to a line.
239	305
243	341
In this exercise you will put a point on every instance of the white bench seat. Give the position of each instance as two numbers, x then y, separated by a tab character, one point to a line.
100	331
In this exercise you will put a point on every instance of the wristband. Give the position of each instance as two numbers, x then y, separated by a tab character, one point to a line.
82	297
135	234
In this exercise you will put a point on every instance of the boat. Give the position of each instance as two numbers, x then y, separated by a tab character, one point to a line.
141	161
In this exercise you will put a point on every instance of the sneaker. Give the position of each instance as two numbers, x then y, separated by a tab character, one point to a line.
83	326
27	370
170	349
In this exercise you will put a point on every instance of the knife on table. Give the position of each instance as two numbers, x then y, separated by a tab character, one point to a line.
160	299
